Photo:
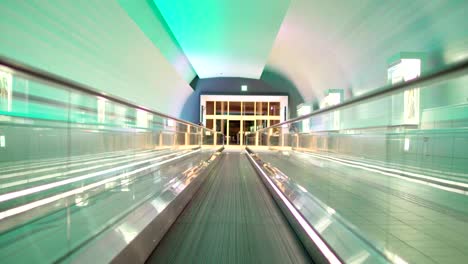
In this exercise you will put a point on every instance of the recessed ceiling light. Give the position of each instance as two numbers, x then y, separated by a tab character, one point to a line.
244	88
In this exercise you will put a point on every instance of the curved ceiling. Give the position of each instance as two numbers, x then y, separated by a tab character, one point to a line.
225	38
325	44
321	44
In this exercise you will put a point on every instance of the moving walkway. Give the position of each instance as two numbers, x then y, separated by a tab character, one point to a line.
231	219
89	178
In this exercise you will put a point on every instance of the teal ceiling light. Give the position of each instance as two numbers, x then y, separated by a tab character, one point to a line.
228	38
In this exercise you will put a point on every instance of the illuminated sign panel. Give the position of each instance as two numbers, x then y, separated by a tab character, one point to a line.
304	109
404	70
101	109
333	97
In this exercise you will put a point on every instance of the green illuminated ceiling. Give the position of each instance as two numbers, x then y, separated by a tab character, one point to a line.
225	38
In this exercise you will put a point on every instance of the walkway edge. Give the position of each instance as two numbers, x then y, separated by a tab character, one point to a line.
113	247
317	248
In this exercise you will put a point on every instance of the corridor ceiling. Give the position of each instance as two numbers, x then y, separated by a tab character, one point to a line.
327	44
315	44
225	38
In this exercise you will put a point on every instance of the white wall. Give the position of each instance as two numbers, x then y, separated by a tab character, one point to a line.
325	44
95	43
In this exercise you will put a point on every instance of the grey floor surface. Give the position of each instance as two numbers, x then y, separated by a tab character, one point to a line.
231	219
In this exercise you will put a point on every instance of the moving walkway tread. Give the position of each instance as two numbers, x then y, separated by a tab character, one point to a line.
231	219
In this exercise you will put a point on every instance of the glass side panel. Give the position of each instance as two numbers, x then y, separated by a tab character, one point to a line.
72	164
393	168
274	134
341	239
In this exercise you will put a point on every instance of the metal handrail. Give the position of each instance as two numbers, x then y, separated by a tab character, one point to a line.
430	78
19	68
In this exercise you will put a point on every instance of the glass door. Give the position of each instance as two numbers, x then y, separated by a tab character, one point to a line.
234	133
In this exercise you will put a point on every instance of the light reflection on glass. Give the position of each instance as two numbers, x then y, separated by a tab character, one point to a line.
359	258
81	200
101	109
127	232
124	184
323	224
6	83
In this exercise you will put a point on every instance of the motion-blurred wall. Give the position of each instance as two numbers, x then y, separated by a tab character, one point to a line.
95	43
